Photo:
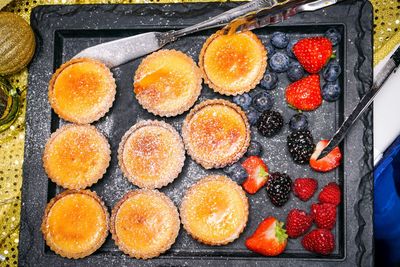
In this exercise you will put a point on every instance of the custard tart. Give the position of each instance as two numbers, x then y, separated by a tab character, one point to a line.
82	90
167	83
144	223
215	210
216	133
75	223
76	156
233	63
151	154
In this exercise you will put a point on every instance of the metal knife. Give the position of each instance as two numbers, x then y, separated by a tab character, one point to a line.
255	14
389	68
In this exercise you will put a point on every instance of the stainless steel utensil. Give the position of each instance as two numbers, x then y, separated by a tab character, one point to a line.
255	14
364	103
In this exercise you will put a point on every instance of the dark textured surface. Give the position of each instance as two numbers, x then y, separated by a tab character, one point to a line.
64	30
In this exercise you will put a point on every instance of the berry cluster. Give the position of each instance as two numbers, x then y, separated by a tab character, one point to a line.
305	62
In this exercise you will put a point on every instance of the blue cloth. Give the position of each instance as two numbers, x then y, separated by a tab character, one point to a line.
387	205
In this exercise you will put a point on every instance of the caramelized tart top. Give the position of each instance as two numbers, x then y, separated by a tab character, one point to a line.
216	133
233	63
82	90
167	83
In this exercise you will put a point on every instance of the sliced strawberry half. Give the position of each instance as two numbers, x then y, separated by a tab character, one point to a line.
327	163
269	239
257	172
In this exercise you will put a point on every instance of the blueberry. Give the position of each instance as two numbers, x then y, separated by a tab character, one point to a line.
289	48
295	72
270	49
269	81
243	100
279	62
331	91
236	172
333	35
263	101
279	40
252	116
298	122
332	71
255	149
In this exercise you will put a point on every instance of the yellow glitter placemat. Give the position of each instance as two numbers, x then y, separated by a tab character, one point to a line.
386	36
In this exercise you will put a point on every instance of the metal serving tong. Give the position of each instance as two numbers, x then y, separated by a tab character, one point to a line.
252	15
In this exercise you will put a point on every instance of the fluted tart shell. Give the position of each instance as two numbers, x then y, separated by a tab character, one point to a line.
75	223
216	133
167	83
144	223
76	156
233	64
151	154
82	90
215	210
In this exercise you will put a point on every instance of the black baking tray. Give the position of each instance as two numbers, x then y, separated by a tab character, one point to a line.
62	31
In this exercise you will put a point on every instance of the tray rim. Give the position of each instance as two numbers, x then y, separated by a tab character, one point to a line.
27	152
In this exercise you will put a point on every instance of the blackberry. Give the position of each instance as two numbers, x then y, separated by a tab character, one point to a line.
270	123
301	146
278	187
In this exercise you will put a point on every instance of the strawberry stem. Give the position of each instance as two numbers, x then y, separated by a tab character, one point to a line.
280	232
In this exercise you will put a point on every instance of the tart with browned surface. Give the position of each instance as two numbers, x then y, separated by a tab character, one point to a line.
215	210
234	63
82	90
144	223
76	156
75	223
167	83
216	133
151	154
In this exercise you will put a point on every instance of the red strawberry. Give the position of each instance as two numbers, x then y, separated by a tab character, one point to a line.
304	188
269	239
324	215
330	194
297	223
320	241
327	163
313	53
258	174
305	94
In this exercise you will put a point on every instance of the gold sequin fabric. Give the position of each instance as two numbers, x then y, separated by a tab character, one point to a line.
386	37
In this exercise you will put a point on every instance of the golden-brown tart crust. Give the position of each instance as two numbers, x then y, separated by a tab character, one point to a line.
216	133
76	156
233	64
75	223
167	83
151	154
82	90
215	210
144	223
